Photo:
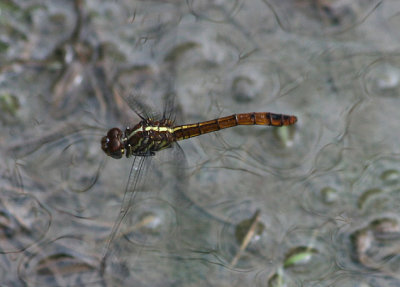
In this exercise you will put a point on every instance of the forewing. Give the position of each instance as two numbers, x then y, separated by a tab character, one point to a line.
136	102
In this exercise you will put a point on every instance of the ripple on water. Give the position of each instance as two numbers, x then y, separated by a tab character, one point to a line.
371	246
373	125
147	235
23	220
278	150
382	78
326	194
305	257
370	240
377	190
251	83
308	255
65	261
278	278
321	17
66	168
247	241
150	222
219	11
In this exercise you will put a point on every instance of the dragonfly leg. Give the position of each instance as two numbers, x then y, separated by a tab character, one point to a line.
148	153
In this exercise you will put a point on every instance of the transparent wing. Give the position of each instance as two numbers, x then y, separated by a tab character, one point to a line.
137	104
138	170
150	212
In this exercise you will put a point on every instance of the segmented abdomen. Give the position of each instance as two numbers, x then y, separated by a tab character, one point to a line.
268	119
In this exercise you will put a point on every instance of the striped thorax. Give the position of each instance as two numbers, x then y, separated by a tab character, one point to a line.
144	139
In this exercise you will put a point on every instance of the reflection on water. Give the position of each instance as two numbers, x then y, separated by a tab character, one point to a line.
312	205
24	221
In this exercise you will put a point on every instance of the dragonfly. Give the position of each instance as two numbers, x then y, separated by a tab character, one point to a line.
151	135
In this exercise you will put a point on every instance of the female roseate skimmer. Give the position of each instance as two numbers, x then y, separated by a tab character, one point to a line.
150	136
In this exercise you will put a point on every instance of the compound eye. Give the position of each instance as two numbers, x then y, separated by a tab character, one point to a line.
111	144
114	133
114	145
114	148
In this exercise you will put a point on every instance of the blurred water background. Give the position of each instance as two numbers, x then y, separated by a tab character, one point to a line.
316	204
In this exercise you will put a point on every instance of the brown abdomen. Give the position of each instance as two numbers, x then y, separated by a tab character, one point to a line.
268	119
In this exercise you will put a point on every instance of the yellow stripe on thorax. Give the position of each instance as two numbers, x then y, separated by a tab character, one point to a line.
159	129
150	128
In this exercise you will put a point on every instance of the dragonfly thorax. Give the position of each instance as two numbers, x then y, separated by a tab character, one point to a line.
148	137
144	139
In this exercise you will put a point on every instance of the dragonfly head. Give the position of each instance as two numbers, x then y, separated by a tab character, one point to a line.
112	144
